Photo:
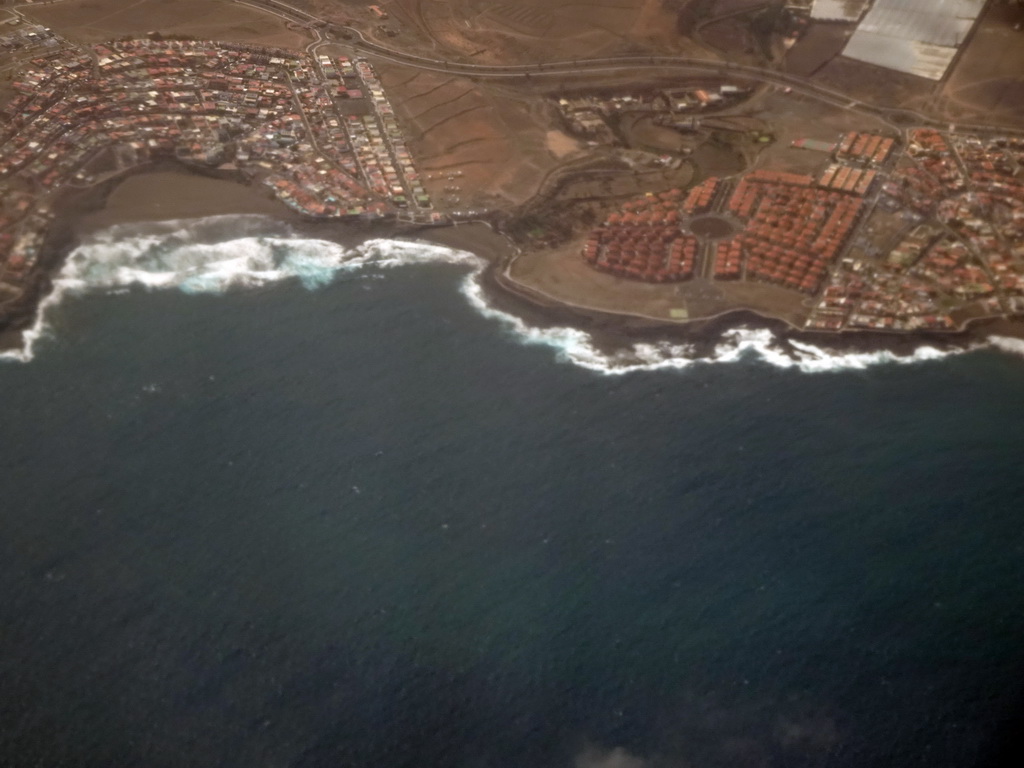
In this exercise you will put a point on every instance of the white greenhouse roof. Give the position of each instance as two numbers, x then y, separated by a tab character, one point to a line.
919	37
838	10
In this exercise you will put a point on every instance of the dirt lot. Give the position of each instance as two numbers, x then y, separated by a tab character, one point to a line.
91	21
883	230
178	194
877	85
983	86
822	43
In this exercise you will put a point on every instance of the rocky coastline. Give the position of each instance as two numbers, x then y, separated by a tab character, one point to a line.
86	211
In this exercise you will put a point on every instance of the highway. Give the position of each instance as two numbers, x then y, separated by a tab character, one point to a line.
898	118
603	66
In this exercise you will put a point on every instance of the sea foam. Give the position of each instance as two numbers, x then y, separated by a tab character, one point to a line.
217	254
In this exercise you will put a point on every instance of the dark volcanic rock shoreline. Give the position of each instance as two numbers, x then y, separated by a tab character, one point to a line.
82	213
613	332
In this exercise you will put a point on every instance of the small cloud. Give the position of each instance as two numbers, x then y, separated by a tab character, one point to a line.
817	733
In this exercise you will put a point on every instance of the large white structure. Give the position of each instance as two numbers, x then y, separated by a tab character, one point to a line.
920	37
838	10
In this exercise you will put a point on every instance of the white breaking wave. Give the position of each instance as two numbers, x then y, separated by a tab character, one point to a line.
1008	344
170	256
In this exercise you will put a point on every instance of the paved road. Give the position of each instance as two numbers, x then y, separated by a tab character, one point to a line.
898	118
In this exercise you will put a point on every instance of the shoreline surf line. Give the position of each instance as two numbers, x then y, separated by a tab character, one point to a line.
201	256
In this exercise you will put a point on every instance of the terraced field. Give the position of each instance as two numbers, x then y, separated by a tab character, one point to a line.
463	137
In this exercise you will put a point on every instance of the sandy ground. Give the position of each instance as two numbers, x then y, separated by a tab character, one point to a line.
164	195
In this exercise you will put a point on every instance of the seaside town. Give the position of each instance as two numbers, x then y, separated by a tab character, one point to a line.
891	234
318	132
884	225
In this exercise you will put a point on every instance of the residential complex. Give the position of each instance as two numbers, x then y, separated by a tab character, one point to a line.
960	253
922	231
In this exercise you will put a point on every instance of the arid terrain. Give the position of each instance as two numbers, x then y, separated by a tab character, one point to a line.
984	86
99	20
509	31
463	134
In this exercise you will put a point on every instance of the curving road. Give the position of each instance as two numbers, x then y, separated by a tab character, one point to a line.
897	117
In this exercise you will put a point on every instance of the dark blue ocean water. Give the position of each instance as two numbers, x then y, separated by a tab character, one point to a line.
363	526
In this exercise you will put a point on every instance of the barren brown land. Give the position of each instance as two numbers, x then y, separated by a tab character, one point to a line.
730	28
510	31
499	30
821	44
876	85
91	21
795	117
988	81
